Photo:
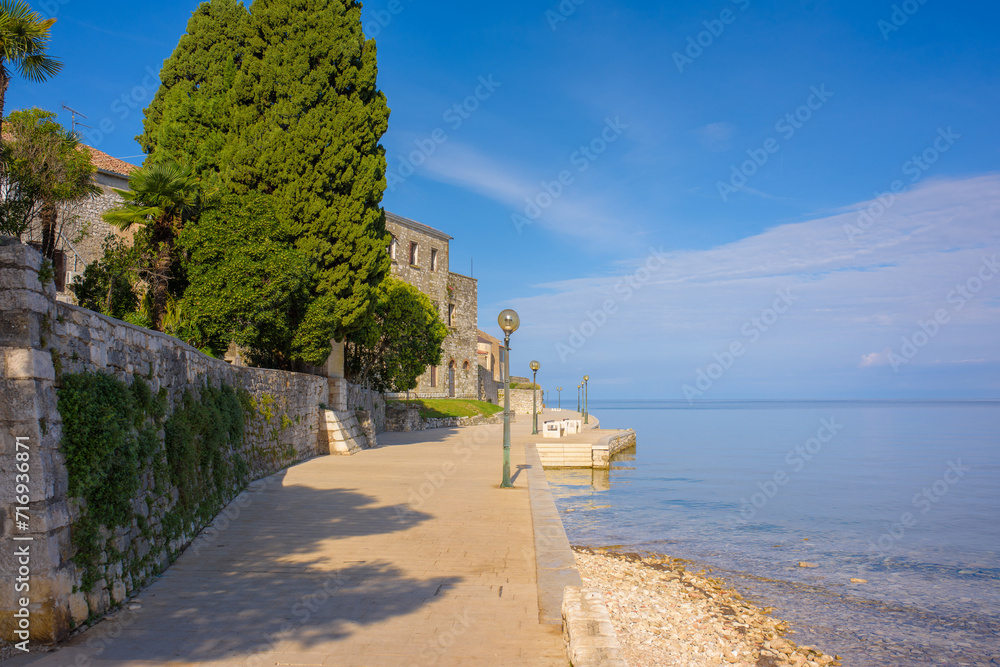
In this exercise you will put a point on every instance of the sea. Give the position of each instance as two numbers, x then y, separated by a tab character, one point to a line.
904	495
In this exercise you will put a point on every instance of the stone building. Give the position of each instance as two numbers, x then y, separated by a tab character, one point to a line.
419	257
490	353
81	229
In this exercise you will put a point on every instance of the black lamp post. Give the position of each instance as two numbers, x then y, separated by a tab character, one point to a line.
579	387
509	322
559	389
586	415
534	366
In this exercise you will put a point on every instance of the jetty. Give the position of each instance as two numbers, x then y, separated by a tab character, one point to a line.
563	441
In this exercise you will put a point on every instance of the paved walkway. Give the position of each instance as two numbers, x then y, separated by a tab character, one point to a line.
409	554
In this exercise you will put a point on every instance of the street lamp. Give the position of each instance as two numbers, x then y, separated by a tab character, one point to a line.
509	322
534	366
586	415
579	387
559	389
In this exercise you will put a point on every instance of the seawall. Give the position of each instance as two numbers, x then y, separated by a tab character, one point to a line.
42	342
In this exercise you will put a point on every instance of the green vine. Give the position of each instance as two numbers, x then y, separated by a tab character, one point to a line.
46	273
115	434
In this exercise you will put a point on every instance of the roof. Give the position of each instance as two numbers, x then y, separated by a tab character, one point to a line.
417	226
486	336
101	160
105	162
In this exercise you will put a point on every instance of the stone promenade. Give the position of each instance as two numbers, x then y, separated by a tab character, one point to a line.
405	555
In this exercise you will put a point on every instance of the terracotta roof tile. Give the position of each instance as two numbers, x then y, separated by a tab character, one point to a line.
99	159
105	162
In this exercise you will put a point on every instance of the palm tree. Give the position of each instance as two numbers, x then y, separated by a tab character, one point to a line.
24	38
163	197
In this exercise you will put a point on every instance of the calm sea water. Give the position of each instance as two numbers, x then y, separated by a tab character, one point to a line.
905	495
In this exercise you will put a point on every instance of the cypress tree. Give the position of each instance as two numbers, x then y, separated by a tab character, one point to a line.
301	117
309	118
189	119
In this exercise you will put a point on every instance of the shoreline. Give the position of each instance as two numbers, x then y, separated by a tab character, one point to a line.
665	615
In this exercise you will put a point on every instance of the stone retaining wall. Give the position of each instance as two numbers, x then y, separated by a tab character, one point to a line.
520	400
405	419
41	340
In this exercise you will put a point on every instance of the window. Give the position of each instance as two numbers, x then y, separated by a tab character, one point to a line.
434	376
465	365
434	259
413	253
451	314
393	248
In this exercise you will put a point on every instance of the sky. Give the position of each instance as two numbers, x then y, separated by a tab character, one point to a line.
714	200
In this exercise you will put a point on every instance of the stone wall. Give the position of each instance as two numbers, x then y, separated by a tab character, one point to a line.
488	386
372	402
520	400
42	340
401	418
83	228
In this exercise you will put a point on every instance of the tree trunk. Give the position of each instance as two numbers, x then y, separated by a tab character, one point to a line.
4	82
161	281
49	215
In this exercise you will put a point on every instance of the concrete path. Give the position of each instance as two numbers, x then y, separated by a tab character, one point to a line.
409	554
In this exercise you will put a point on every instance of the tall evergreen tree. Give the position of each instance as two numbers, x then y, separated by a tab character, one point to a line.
189	118
302	122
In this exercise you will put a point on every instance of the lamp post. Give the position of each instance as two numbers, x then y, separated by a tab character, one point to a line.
509	322
559	389
578	388
534	366
586	415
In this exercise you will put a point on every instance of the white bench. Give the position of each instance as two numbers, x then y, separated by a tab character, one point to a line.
552	429
572	426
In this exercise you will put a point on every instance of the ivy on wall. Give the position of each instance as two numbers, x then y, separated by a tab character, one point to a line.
117	437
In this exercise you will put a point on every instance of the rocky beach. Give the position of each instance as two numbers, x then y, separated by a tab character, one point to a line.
664	615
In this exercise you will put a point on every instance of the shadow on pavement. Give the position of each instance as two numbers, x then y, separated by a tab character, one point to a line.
260	578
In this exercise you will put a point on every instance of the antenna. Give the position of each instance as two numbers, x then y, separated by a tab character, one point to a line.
74	113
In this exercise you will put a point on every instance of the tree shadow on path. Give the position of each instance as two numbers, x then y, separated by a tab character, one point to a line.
268	574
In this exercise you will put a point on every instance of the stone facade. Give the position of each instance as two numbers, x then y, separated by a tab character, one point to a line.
520	400
490	351
83	230
420	256
488	386
41	340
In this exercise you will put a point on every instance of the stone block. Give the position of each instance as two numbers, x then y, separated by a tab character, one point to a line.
20	329
28	363
20	256
18	400
78	609
21	299
118	591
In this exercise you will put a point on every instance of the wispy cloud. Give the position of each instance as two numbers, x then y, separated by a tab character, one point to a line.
855	292
578	211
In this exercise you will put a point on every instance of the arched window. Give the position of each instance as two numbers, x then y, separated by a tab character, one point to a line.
452	364
393	247
465	366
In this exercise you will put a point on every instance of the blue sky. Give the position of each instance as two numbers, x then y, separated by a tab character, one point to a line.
643	182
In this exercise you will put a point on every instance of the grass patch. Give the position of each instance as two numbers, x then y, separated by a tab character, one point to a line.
452	407
524	385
